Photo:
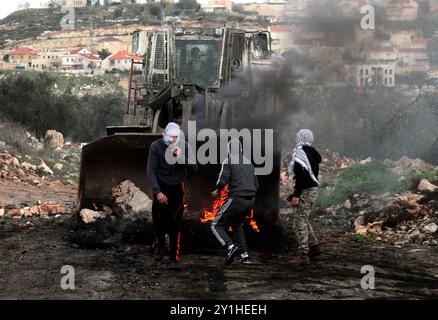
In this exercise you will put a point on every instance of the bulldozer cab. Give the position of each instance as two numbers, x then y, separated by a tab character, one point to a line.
260	45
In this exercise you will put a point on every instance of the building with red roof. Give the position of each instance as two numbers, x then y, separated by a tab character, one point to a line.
80	59
23	55
121	61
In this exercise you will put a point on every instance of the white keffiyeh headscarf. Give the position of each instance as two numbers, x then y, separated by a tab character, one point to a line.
304	138
172	129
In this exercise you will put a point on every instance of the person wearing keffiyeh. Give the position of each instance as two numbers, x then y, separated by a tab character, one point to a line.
167	182
304	167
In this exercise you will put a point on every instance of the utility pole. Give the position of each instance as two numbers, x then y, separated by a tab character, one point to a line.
91	44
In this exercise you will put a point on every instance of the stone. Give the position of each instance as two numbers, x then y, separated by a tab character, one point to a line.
28	166
44	168
129	199
431	228
406	165
53	139
16	213
28	225
365	161
2	212
90	216
425	185
57	167
347	204
2	145
15	162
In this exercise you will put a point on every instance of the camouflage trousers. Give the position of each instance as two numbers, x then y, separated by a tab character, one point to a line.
303	229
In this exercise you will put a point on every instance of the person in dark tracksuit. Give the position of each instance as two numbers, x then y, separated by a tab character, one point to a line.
239	174
167	182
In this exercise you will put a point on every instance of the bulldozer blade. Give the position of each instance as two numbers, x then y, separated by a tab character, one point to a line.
110	160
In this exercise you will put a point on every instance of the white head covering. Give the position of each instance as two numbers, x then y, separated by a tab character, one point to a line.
172	129
304	138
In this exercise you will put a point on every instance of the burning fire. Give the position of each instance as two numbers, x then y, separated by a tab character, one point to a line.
210	215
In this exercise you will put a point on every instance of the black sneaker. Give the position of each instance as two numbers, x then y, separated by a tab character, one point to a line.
245	260
232	253
159	253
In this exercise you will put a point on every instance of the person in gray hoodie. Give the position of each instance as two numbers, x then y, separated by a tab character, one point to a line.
238	174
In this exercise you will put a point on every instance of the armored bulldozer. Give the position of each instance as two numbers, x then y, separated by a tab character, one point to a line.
202	74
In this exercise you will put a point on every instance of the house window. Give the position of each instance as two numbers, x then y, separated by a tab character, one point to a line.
390	80
366	71
361	81
386	71
386	81
390	71
361	71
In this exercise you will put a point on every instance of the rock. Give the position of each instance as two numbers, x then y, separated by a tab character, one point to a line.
2	212
28	225
51	208
53	139
16	213
431	228
414	233
28	166
2	145
44	168
425	185
359	226
365	161
27	213
90	216
57	167
347	204
15	162
406	165
129	199
45	209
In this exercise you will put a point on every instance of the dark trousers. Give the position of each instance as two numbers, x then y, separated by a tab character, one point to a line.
167	218
232	213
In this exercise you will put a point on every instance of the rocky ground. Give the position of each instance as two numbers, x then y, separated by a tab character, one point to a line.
394	233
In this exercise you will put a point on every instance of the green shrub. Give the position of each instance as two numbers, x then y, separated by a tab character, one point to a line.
371	178
360	239
15	137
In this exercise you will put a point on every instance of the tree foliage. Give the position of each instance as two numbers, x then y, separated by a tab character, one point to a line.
33	102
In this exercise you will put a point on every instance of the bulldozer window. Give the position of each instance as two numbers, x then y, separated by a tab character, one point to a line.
198	62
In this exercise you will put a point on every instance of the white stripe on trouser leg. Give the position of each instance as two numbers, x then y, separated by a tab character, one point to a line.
219	214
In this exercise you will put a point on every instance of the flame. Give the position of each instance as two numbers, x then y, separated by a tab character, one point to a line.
217	203
209	215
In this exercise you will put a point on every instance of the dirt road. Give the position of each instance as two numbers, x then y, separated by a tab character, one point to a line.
31	260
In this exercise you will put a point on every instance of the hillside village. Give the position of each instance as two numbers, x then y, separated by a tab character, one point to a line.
325	38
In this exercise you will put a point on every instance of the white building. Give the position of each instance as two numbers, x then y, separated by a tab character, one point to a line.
80	59
71	3
47	60
121	61
375	75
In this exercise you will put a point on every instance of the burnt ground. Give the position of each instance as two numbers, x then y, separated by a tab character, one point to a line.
31	260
